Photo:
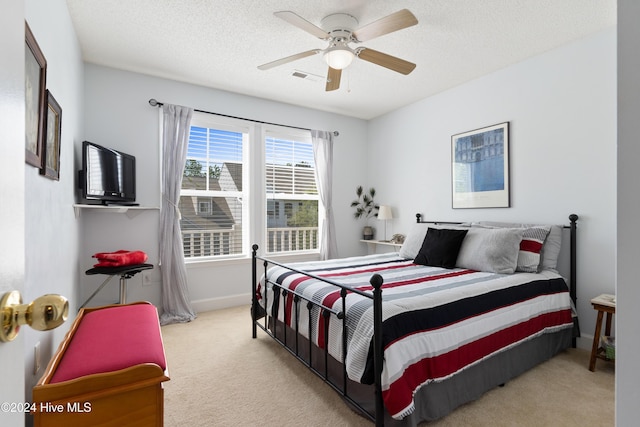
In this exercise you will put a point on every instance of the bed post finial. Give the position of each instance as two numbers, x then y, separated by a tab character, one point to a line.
376	281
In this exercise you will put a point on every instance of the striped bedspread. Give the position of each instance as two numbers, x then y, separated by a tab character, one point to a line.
436	322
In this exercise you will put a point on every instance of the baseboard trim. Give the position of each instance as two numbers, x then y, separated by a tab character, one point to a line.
211	304
584	342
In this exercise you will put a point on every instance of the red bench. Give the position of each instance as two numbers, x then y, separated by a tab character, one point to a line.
108	371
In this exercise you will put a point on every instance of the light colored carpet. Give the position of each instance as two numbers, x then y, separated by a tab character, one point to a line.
220	376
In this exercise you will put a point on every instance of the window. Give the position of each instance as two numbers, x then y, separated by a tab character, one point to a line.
292	196
231	165
204	207
211	208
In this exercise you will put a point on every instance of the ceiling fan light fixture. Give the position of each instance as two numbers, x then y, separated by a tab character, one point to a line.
338	57
339	30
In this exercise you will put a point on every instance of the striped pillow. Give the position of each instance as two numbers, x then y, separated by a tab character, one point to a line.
530	248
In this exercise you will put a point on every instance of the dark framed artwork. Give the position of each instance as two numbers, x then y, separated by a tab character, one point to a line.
35	99
53	125
480	168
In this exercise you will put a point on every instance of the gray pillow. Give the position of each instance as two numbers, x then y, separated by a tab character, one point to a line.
550	248
493	250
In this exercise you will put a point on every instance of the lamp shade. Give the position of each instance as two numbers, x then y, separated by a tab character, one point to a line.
338	57
385	212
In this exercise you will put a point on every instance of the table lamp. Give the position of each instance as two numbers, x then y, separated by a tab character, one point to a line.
384	214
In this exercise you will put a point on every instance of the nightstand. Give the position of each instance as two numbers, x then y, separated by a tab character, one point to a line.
373	244
605	303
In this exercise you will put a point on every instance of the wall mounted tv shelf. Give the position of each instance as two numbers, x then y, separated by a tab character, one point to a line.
130	211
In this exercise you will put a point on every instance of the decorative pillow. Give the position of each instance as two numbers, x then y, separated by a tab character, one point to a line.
530	248
551	247
413	241
440	247
493	250
415	238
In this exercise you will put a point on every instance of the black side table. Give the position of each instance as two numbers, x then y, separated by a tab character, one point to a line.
125	272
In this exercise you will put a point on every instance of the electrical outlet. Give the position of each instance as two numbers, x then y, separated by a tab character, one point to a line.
36	358
146	278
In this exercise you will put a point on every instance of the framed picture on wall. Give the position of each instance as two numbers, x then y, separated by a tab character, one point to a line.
480	168
53	125
35	99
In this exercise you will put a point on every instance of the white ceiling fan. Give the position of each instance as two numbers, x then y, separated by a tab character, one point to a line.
340	30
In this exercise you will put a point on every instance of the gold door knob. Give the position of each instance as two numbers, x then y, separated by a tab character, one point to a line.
44	313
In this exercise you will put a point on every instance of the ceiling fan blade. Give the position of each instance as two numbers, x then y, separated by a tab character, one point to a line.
333	79
291	58
391	62
394	22
302	23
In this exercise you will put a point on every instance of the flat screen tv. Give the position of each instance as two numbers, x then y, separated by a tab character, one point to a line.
107	176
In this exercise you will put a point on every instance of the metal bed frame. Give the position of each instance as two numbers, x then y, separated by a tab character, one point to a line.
306	356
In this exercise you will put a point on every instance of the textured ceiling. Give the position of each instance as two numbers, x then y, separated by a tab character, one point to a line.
219	44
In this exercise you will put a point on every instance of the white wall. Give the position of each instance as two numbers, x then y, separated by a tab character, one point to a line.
628	291
118	115
562	111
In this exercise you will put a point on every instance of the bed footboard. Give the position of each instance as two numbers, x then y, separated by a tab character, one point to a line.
268	323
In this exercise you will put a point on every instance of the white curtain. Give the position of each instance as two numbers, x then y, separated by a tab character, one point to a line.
176	303
323	157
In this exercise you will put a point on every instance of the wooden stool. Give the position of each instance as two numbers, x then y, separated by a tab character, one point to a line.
604	303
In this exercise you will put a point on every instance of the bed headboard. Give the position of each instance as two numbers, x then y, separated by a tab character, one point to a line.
567	259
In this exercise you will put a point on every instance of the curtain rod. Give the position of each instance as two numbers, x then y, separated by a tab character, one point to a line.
155	103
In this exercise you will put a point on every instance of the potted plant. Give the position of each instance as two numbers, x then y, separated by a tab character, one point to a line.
365	208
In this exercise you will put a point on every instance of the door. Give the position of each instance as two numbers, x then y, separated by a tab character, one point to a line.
12	194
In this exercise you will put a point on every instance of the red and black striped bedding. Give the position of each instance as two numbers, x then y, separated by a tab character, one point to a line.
436	322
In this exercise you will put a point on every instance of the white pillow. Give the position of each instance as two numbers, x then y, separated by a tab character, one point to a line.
413	241
493	250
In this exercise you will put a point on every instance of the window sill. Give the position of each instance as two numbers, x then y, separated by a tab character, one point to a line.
279	256
293	256
207	262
